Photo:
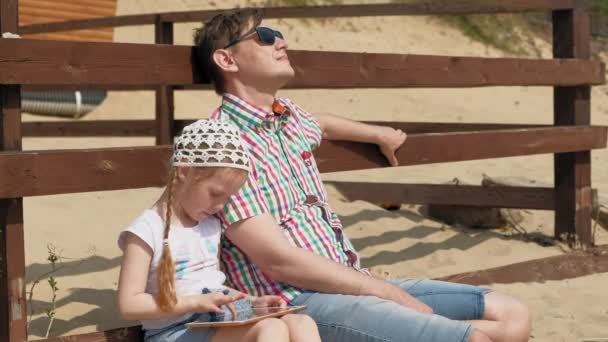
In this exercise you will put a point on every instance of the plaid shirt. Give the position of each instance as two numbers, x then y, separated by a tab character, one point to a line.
285	183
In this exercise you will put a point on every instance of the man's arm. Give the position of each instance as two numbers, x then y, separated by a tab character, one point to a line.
263	242
338	128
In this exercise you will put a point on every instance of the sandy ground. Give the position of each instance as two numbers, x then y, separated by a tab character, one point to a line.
83	227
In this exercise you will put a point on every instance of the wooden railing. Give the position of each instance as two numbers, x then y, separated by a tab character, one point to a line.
167	68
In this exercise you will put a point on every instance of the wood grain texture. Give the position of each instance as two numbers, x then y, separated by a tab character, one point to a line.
466	195
34	173
572	106
36	62
40	12
440	7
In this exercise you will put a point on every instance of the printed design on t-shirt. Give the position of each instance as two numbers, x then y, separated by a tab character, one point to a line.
180	267
211	247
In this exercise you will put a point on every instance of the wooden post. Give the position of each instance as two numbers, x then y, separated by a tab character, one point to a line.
571	39
12	257
163	34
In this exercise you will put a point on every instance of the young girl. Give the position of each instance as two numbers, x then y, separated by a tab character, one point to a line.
169	274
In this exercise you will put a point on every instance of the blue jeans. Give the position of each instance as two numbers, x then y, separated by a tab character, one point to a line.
344	318
179	333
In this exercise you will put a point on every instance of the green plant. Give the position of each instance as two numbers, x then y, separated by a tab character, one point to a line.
300	2
53	258
508	33
50	312
601	6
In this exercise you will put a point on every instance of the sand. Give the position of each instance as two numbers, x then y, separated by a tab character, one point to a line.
83	227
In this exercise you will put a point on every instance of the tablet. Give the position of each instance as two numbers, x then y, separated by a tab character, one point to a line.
249	316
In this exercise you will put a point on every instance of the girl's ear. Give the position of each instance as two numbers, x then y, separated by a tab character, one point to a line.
181	173
224	60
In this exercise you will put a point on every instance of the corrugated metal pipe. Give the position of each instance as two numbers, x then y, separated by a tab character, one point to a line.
72	104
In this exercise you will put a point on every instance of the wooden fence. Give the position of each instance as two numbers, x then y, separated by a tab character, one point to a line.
165	68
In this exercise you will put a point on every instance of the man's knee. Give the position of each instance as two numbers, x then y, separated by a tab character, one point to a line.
478	336
502	307
519	323
513	315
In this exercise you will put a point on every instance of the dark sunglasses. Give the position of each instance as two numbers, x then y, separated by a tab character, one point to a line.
267	36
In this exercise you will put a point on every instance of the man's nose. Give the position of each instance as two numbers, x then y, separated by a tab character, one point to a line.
280	43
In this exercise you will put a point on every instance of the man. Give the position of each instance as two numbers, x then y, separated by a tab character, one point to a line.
282	236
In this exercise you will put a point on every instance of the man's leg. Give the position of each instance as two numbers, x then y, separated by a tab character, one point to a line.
505	318
343	318
500	317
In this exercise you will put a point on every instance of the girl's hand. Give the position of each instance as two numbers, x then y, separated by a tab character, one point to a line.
213	302
268	301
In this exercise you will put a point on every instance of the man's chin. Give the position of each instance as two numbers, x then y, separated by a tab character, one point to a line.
285	77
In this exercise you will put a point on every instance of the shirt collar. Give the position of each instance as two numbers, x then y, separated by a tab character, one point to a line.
249	114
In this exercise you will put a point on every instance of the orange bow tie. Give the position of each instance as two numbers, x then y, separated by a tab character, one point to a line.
279	109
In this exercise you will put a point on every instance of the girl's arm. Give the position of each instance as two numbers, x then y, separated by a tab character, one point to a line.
135	304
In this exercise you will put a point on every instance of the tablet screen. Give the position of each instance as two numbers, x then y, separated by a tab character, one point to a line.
249	316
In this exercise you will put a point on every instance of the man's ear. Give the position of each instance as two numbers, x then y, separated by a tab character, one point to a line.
224	60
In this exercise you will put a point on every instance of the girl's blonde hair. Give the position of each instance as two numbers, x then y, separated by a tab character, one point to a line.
213	146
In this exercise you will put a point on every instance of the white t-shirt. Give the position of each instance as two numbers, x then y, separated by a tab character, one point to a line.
194	251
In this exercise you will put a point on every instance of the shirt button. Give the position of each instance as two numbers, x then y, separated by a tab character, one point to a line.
311	199
352	257
339	234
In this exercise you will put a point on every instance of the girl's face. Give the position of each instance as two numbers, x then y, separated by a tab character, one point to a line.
203	192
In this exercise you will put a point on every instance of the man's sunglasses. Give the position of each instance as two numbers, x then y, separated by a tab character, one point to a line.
267	36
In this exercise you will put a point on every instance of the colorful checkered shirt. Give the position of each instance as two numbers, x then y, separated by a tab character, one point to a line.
285	183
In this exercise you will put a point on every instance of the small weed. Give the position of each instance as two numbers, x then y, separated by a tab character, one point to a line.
54	258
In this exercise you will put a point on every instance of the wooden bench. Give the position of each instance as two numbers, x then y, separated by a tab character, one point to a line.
166	68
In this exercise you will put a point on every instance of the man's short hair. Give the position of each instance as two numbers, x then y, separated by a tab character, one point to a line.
217	33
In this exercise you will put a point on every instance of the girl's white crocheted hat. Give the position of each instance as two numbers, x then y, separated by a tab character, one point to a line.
210	143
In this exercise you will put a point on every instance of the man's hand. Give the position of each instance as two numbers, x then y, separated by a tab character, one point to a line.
339	128
389	140
400	296
377	286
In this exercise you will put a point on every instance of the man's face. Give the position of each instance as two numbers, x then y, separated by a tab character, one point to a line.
260	64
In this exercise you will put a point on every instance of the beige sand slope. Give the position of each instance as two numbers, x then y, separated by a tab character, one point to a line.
83	227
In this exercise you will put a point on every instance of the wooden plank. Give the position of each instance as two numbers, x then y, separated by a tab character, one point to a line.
34	173
441	7
427	148
444	7
164	106
128	334
37	62
572	106
74	87
559	267
105	128
144	128
87	63
320	69
13	303
447	127
83	36
44	11
43	172
125	20
479	196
